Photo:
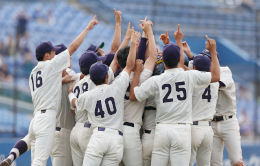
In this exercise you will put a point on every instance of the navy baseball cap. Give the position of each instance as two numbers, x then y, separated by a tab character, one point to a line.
98	71
202	62
63	48
171	52
44	47
87	59
206	52
93	47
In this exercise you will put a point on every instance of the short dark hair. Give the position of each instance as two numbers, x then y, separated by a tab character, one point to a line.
171	63
85	70
122	55
101	81
42	57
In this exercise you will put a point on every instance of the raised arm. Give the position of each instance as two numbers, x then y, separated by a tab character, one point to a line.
178	35
129	32
165	37
117	35
137	71
215	69
77	42
147	28
186	49
142	47
130	63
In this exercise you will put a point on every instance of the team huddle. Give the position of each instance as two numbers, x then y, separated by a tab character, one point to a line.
133	106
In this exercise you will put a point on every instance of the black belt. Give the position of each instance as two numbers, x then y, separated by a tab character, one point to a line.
178	123
220	118
103	129
87	125
129	124
43	111
197	123
58	128
148	131
149	108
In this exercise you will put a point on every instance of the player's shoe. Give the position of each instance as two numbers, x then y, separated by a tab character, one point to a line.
6	162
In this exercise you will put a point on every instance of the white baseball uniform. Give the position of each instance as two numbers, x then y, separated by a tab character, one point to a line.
45	84
225	124
173	97
105	107
149	129
203	109
132	124
82	131
61	150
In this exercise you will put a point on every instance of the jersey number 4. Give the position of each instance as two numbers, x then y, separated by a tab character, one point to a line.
206	94
166	98
38	80
99	110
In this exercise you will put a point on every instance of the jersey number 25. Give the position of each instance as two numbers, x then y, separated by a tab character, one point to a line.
166	98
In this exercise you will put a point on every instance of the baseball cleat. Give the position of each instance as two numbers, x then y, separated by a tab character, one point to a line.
6	162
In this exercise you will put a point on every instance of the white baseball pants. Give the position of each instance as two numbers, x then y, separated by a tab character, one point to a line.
79	139
41	132
201	144
132	155
105	148
174	141
147	143
226	132
61	151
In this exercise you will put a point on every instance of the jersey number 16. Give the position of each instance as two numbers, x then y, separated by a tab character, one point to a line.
38	80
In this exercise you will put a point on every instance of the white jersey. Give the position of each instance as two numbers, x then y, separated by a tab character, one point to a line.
105	103
204	102
173	93
65	118
84	85
226	103
45	82
134	109
149	114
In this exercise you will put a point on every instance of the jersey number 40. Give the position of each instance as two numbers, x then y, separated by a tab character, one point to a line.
99	110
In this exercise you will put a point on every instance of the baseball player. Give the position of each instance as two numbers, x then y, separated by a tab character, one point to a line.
45	86
173	97
204	101
82	131
24	144
225	124
105	107
133	110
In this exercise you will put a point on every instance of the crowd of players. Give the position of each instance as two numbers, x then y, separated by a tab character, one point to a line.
133	106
